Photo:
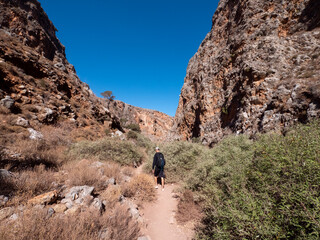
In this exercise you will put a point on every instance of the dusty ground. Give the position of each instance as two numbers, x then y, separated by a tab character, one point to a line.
159	217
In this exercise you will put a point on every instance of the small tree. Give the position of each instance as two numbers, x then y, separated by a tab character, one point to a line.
108	95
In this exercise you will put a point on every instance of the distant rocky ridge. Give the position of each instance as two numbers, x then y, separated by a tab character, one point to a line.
39	86
154	124
257	70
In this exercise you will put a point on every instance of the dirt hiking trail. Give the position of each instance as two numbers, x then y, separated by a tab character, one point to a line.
159	216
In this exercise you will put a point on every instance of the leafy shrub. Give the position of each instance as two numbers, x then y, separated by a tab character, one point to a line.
181	158
132	135
134	127
107	149
268	189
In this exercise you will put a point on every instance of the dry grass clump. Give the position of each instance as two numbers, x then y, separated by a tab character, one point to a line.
4	110
49	150
29	183
121	225
111	195
188	210
55	136
86	225
87	133
140	187
86	172
128	171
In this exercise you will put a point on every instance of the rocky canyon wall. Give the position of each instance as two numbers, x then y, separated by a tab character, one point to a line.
154	124
257	70
37	83
39	86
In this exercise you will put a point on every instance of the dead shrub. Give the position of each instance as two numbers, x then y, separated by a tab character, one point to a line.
128	171
111	195
30	183
88	225
188	210
87	133
122	225
55	136
35	152
86	172
140	187
4	110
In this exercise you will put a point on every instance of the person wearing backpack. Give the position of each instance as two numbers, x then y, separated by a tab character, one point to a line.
158	167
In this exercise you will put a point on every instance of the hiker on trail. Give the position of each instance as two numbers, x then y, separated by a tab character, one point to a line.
158	167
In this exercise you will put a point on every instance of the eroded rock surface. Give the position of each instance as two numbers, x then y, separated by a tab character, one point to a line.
154	124
37	83
257	70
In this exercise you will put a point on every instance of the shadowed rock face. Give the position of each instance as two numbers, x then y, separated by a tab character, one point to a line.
257	70
36	80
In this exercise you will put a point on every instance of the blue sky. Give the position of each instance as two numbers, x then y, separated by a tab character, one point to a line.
138	49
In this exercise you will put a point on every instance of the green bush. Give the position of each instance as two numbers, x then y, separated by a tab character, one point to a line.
181	158
134	127
107	149
268	189
132	135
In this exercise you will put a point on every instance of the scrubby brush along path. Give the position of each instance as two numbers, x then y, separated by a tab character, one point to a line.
159	217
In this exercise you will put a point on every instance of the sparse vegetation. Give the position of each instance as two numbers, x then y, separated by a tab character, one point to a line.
107	149
265	188
86	225
108	95
134	127
85	172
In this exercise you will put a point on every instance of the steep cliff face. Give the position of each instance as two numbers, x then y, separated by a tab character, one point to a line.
257	70
37	83
154	124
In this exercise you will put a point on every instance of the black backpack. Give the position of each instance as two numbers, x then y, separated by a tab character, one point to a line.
160	161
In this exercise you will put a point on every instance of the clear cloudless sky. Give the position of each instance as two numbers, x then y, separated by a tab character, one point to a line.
138	49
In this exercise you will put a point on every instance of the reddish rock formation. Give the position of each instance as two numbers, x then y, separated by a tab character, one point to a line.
39	86
154	124
37	83
257	70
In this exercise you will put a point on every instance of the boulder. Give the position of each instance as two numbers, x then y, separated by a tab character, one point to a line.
6	212
74	210
3	200
111	181
5	174
77	195
44	199
22	122
59	208
13	217
35	135
97	204
50	212
7	102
